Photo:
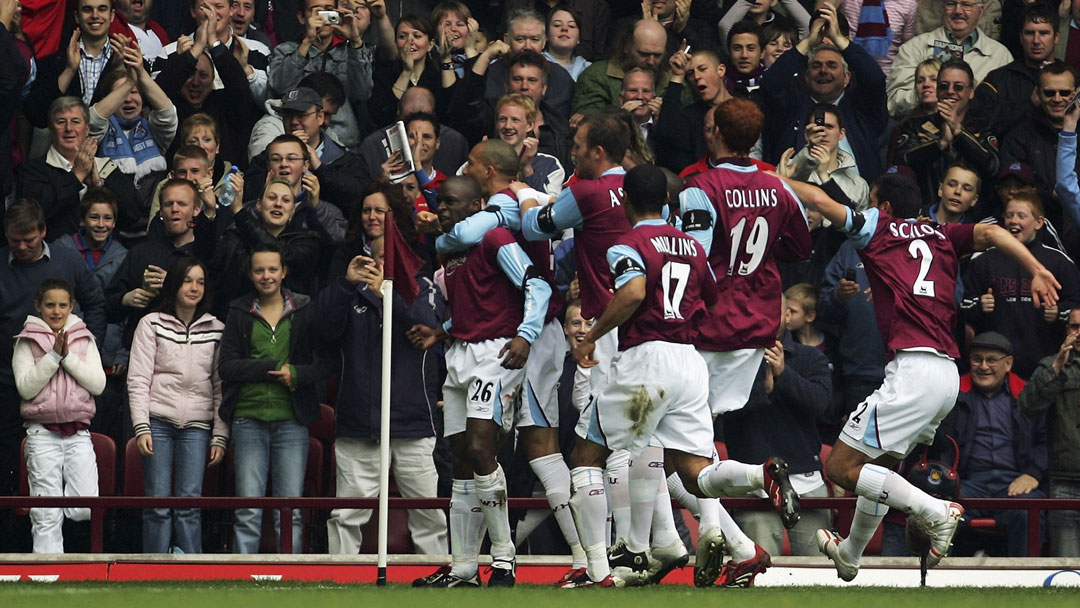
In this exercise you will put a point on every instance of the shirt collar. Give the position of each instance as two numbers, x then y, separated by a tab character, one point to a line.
968	42
651	222
45	253
53	158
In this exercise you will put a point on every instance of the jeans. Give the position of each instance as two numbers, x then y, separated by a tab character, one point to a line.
277	450
1064	525
174	469
765	528
58	466
995	484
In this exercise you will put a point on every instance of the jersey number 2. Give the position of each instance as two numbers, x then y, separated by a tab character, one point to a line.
756	242
678	273
921	251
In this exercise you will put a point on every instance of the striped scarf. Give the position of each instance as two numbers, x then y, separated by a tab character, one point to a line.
873	32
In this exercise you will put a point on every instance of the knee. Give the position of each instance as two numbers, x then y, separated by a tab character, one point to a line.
691	484
479	455
842	473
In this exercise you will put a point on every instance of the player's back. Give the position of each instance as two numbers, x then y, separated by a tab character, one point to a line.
753	220
603	221
484	303
912	269
678	284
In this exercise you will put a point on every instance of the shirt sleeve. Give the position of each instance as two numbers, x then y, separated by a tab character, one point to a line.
542	223
860	226
468	232
625	263
698	216
517	266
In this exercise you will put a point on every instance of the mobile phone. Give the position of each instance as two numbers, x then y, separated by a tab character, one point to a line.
331	17
1072	104
850	275
819	117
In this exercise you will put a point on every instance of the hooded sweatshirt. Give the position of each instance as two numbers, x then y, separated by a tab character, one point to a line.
56	390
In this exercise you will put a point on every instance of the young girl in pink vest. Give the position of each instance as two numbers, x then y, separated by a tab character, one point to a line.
57	372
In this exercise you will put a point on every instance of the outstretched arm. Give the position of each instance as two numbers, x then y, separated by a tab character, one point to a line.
815	197
1044	287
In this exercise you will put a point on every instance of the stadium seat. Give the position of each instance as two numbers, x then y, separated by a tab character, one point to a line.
721	450
105	453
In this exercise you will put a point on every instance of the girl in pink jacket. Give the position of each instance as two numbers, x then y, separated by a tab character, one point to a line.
57	372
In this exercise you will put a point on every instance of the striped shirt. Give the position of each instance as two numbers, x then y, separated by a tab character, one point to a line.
91	68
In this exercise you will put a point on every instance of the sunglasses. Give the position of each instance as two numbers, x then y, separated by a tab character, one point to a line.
957	87
1066	93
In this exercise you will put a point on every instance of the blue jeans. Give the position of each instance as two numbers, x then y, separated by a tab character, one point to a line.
995	484
175	469
1064	525
277	450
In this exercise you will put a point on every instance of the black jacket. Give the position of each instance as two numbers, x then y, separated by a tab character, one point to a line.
338	176
236	366
784	423
1003	98
58	192
46	88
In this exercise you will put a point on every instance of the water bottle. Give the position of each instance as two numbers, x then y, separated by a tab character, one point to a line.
228	193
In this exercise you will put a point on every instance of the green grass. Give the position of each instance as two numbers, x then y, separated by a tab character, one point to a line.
303	595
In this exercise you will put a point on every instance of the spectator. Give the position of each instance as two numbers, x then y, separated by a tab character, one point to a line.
881	34
592	16
1034	141
1052	392
135	143
212	16
718	150
242	22
340	125
515	123
600	84
192	163
527	31
996	297
960	26
792	389
338	50
957	195
302	116
75	69
1003	98
407	65
60	178
1067	187
844	75
762	13
423	133
745	47
269	372
103	256
149	34
1013	179
676	18
187	228
288	157
202	130
822	160
14	75
801	300
681	137
1002	452
355	317
457	33
453	148
1068	46
639	99
948	136
563	38
268	221
779	36
175	397
57	372
188	78
929	15
926	90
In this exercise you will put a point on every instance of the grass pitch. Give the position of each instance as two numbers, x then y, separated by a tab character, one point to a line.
286	595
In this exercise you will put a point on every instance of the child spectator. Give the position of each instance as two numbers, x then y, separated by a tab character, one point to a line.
57	372
175	395
779	36
801	314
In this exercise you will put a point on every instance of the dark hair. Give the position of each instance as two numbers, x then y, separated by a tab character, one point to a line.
960	164
746	26
561	6
901	193
827	108
24	215
326	85
1057	67
94	196
289	138
499	155
264	247
528	58
1040	12
417	22
608	132
50	284
957	64
779	27
107	83
174	280
636	144
422	116
739	121
646	189
399	206
442	9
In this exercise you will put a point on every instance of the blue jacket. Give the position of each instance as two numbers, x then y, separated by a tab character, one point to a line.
112	349
355	314
858	340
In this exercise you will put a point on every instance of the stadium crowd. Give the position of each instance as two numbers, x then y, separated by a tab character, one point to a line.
200	194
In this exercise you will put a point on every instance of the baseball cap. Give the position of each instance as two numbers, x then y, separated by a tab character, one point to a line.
992	340
300	99
1018	170
903	171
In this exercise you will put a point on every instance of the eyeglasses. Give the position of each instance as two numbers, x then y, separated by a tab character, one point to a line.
966	6
957	87
275	159
991	361
287	114
1051	93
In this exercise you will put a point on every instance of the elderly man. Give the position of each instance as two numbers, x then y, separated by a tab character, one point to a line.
840	73
527	31
1002	452
59	179
601	83
961	35
639	98
1053	391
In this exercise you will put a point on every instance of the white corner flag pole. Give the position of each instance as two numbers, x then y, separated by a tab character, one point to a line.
384	427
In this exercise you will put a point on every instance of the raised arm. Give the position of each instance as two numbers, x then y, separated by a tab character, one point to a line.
1044	287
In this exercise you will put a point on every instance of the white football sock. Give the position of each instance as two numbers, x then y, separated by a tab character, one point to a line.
679	492
730	478
589	506
617	470
868	516
466	519
646	472
552	472
664	532
491	489
882	485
